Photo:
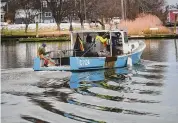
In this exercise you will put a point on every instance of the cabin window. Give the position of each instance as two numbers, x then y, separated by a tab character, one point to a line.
125	37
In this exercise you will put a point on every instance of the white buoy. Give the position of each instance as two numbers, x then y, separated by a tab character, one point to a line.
129	62
129	65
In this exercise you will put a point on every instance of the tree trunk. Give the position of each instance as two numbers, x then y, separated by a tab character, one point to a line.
81	21
58	26
102	23
71	27
26	28
36	29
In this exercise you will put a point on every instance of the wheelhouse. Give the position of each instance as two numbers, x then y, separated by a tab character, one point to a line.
100	43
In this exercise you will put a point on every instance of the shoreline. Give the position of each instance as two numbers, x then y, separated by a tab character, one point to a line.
66	37
158	36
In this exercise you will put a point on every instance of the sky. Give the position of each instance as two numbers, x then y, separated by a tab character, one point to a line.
172	1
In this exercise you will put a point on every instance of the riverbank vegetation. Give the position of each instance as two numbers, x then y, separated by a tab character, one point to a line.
101	11
145	24
141	17
47	39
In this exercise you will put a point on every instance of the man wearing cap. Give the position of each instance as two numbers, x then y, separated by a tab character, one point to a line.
43	55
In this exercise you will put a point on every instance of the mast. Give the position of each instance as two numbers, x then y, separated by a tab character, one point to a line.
81	15
122	7
85	10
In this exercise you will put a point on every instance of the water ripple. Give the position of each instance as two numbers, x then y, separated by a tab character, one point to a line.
119	91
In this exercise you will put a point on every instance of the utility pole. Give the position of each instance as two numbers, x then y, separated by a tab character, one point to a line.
80	6
122	7
7	7
85	10
75	3
81	15
41	14
125	8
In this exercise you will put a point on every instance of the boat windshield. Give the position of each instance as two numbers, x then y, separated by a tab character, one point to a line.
125	37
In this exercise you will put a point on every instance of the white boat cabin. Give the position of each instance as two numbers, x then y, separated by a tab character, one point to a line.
100	43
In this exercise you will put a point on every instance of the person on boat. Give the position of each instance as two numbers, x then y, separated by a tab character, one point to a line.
88	45
44	55
102	40
78	44
101	44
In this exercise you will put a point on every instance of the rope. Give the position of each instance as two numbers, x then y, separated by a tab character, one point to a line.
93	44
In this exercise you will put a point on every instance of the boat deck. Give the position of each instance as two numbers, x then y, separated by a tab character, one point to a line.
56	68
65	68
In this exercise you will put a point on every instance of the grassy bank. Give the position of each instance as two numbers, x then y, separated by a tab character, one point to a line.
66	37
18	32
30	36
135	31
61	38
154	36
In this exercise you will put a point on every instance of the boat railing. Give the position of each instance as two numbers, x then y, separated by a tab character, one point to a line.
61	52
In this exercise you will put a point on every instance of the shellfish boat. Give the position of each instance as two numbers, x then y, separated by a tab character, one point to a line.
93	50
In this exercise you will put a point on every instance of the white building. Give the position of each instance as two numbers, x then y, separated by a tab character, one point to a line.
43	15
3	11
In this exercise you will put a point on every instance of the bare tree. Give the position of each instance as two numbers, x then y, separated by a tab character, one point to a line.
104	10
10	13
79	9
96	10
135	7
28	9
71	11
59	10
100	10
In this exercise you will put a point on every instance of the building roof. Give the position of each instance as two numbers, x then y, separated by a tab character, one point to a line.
4	1
3	4
20	13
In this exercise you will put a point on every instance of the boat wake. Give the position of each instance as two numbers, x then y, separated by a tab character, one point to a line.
94	96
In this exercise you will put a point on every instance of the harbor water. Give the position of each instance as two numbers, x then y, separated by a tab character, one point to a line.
147	93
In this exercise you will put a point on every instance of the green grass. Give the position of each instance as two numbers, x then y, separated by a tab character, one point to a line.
62	38
21	32
18	32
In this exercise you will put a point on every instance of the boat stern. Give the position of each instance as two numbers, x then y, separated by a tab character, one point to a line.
36	64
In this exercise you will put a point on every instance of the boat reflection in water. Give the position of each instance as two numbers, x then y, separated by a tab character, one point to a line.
111	79
118	86
93	78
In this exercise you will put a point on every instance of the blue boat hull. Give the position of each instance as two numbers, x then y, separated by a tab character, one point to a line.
92	63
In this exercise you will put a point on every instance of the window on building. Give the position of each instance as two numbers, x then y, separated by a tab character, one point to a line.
45	4
2	18
48	14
